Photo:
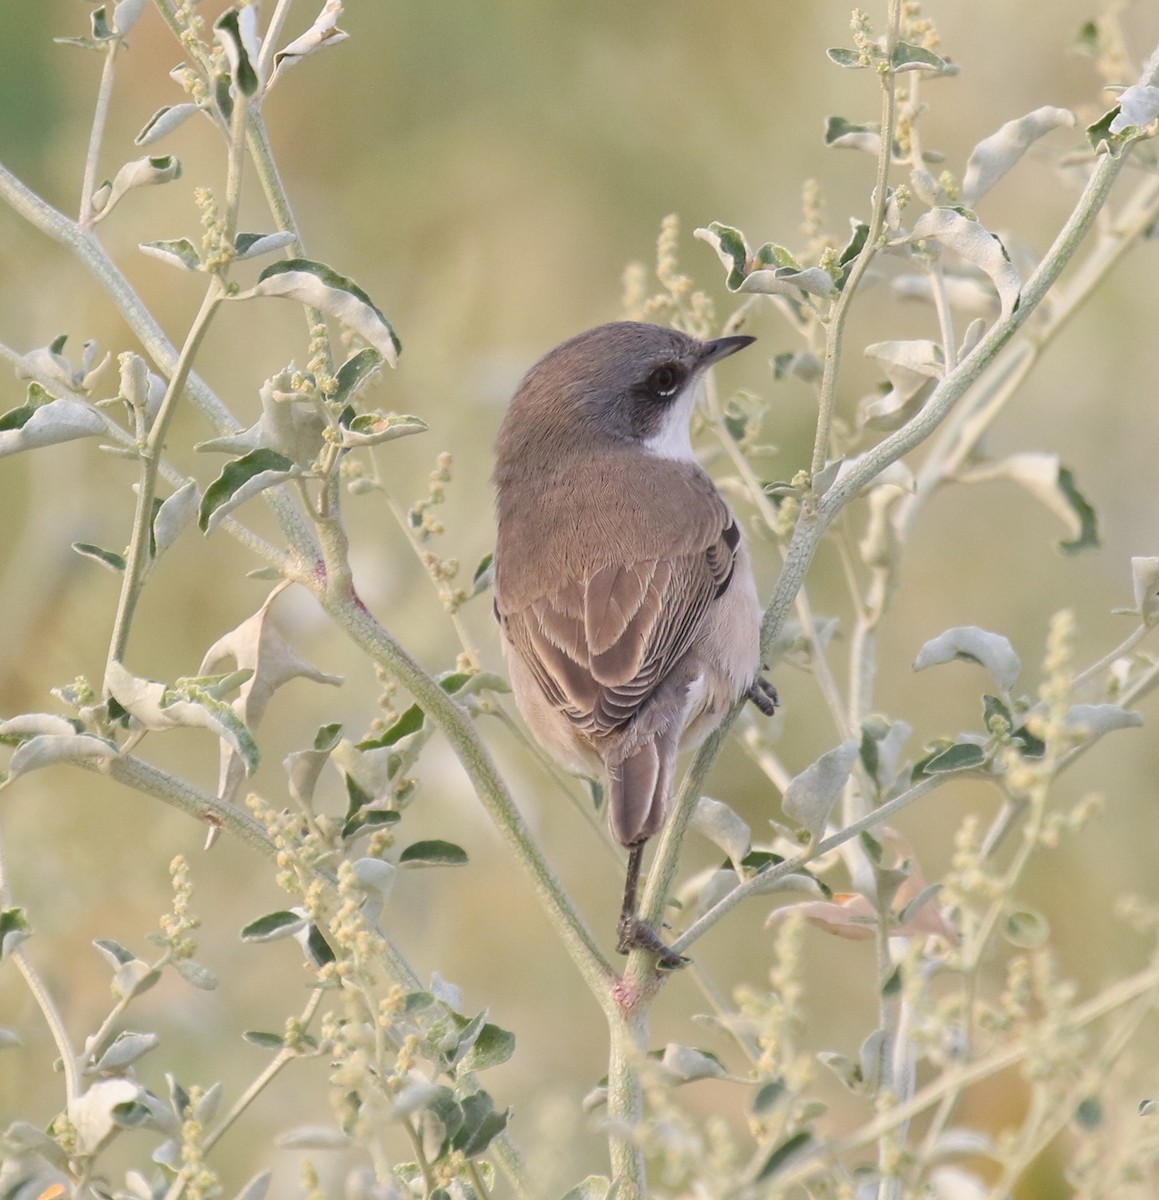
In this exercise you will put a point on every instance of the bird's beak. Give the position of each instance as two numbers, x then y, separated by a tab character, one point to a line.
720	348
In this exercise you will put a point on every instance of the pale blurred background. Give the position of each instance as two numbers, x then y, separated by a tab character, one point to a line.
485	172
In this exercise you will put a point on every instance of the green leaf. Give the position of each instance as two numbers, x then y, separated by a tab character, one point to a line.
46	424
373	428
768	1096
273	926
164	121
851	60
484	576
907	57
411	721
319	286
492	1047
848	135
961	756
239	480
996	718
363	819
1026	929
481	1124
254	245
114	562
267	1041
1088	535
234	31
354	373
782	1153
14	929
433	853
177	252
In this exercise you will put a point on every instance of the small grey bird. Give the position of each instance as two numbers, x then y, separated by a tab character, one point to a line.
625	596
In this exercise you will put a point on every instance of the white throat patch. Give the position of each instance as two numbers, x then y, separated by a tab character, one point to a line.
674	440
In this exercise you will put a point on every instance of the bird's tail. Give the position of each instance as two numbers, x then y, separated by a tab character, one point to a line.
638	792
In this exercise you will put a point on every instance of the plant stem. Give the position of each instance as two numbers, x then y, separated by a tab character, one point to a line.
629	1043
455	724
97	134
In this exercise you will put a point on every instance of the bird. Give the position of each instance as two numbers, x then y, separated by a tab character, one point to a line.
624	593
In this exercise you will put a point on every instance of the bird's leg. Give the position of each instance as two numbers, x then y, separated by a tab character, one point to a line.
636	934
762	693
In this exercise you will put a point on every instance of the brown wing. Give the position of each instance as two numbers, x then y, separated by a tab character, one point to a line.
600	645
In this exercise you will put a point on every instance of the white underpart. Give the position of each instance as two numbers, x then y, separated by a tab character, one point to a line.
674	440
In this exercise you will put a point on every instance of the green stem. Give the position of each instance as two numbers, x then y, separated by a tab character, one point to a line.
827	398
629	1043
455	724
97	134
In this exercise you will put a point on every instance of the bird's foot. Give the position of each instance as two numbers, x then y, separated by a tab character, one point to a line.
762	693
639	935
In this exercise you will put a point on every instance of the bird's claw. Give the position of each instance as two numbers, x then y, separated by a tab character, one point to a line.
762	693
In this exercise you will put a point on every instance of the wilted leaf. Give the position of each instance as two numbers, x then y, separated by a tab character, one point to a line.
177	252
236	32
91	1114
48	749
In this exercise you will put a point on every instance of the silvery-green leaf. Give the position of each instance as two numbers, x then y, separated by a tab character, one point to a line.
731	249
370	429
965	293
433	852
313	1137
159	707
175	513
126	14
324	32
810	797
141	172
976	245
1052	485
1138	106
907	57
764	883
274	926
177	252
354	373
14	929
851	60
195	974
257	1188
1145	580
908	365
376	879
955	1183
125	1050
30	724
164	121
239	480
318	286
107	558
449	993
91	1114
594	1187
968	643
785	281
717	822
254	245
290	424
56	421
994	156
47	749
685	1064
1093	720
847	135
236	33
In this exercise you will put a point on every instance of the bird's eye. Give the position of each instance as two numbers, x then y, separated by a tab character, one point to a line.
665	380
